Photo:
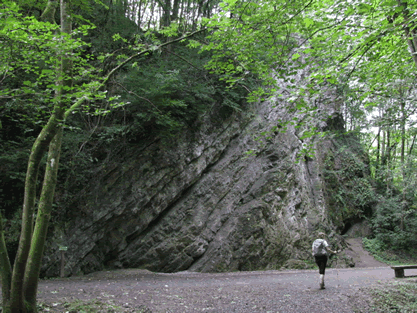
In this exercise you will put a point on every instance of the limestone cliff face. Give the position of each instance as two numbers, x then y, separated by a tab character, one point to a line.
215	199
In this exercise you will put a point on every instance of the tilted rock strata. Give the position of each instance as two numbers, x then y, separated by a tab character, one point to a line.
217	199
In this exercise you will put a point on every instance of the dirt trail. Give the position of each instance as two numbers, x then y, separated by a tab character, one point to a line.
361	257
292	291
135	290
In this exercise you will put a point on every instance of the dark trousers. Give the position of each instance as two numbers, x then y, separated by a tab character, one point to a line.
321	261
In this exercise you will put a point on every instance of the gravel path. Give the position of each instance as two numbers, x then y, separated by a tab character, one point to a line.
268	291
133	290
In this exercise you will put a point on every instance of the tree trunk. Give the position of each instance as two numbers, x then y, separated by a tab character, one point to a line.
42	220
166	13
409	29
387	148
403	119
411	148
383	146
39	148
378	147
175	10
5	267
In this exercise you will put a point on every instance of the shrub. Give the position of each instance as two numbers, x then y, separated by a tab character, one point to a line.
394	225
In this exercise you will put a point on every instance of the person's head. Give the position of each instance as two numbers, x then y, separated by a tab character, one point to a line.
321	235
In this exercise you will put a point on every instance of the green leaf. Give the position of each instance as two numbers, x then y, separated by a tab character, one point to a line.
308	21
295	56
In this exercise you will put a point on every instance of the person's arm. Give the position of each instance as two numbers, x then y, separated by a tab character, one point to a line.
331	251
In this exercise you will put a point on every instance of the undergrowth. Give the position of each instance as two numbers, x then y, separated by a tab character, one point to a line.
90	306
383	253
395	296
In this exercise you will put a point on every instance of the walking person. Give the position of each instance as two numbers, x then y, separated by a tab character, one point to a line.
320	250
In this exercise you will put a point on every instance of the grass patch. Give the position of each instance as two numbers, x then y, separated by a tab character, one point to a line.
391	257
397	296
89	306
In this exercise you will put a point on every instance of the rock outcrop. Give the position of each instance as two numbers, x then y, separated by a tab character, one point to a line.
243	192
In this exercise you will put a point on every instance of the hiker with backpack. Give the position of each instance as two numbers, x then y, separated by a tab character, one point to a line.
320	249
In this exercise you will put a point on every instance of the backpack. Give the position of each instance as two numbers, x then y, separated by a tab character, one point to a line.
318	247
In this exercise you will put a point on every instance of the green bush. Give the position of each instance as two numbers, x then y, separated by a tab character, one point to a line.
374	245
386	254
348	187
394	225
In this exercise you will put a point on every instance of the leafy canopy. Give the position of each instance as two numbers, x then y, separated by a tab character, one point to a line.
363	44
29	61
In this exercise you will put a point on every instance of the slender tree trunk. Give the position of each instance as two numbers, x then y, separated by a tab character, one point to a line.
187	17
403	119
411	147
387	147
39	148
378	149
152	12
175	10
383	146
382	151
166	13
409	30
5	267
387	159
182	20
42	220
194	19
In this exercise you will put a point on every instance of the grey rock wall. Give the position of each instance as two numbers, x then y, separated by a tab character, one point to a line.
215	199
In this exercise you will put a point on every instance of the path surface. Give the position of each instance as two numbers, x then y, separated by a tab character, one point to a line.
289	291
361	257
247	292
268	291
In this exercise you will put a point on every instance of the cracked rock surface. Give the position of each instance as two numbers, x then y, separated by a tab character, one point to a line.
215	199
